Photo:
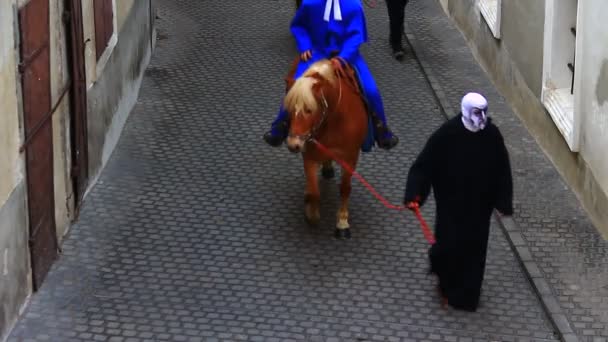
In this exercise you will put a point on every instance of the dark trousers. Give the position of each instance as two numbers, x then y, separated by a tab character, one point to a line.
396	16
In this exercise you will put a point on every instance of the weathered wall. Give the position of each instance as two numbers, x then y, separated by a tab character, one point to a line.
122	11
123	8
60	74
14	252
467	16
88	27
10	174
114	93
15	276
518	83
522	33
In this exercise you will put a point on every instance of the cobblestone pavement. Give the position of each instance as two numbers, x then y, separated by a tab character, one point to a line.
195	230
571	255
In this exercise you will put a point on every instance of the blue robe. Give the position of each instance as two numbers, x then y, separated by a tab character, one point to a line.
312	32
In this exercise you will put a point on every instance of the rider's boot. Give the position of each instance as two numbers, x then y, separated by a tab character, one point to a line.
385	138
278	133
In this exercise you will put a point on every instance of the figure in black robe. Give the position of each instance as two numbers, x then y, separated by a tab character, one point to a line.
467	165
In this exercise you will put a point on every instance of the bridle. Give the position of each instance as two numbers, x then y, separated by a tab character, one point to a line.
311	134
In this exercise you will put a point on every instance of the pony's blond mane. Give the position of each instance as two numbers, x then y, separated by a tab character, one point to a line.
300	97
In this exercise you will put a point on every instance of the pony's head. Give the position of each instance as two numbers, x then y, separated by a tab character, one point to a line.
307	103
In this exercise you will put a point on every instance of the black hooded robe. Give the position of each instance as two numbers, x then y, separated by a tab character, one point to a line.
470	175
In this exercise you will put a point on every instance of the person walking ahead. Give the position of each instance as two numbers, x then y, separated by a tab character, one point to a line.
396	18
467	165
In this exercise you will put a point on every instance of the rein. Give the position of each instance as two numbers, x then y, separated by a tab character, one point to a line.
426	230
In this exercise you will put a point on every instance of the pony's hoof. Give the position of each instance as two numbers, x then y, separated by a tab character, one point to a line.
328	173
313	219
342	224
343	234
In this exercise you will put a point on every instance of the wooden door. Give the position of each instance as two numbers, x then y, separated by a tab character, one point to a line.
35	70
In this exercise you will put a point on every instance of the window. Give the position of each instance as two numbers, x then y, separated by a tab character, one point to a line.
559	93
490	10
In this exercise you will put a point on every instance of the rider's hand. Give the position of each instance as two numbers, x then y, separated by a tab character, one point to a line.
337	64
305	56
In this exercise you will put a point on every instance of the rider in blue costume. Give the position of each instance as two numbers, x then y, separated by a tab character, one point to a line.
334	28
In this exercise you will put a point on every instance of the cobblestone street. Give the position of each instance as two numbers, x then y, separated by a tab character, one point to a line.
195	230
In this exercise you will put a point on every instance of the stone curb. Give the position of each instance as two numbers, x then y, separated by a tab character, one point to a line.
508	225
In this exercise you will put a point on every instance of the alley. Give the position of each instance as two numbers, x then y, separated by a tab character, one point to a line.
195	230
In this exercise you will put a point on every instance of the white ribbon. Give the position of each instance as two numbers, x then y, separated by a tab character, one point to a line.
337	11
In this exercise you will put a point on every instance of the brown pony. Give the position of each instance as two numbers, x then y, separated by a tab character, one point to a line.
325	106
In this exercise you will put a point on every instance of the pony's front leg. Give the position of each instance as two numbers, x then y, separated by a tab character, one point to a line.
343	227
312	196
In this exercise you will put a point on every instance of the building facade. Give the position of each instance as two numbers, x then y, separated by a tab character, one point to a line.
549	58
70	72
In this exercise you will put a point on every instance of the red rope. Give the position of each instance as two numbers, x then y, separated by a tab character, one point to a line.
428	234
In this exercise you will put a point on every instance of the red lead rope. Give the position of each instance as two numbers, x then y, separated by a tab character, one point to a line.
428	234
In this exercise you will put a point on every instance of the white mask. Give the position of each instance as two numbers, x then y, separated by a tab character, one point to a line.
474	109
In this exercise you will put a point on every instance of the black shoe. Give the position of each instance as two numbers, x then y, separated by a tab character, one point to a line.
273	140
388	143
398	53
385	138
280	130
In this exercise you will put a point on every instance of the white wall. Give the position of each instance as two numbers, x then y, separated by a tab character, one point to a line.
593	85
